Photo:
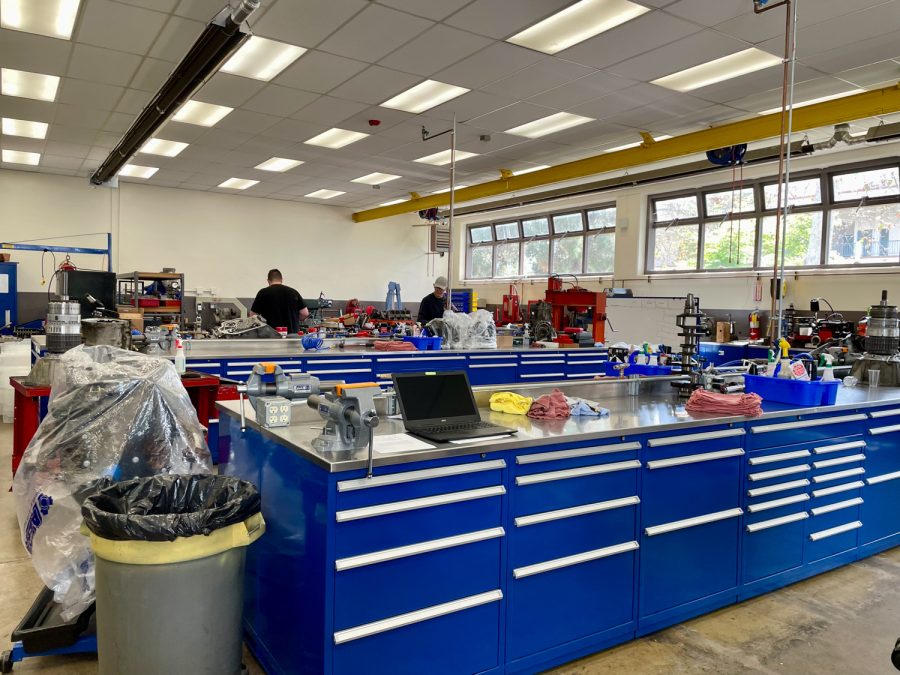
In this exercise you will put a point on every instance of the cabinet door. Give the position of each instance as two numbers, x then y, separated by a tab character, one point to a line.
492	373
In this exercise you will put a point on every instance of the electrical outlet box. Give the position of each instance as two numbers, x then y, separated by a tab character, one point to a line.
273	411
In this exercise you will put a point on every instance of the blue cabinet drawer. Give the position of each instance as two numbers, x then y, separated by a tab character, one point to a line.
883	446
832	532
804	429
553	367
492	373
417	364
349	370
825	494
585	366
778	467
539	461
240	369
880	511
773	544
205	366
553	490
493	358
664	446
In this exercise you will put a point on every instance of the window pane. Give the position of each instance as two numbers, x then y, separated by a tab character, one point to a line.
567	222
803	240
667	210
601	250
480	234
729	244
730	201
875	183
867	235
482	262
567	254
535	228
802	192
507	231
507	260
675	248
601	218
537	258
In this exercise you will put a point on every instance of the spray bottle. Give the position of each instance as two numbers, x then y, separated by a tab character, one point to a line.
784	371
180	360
771	366
827	362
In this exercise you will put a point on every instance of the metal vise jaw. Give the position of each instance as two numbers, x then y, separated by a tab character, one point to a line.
264	395
349	415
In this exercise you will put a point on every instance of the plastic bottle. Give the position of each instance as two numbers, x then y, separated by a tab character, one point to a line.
180	360
784	371
827	368
771	366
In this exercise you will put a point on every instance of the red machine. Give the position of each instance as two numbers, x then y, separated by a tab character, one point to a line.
509	310
569	302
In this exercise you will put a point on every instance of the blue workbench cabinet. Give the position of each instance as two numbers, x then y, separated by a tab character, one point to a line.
881	494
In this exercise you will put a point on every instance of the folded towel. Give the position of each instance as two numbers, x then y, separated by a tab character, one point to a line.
702	401
508	402
552	406
582	409
585	407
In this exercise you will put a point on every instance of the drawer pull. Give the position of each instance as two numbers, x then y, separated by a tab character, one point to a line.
884	413
421	503
692	438
694	459
252	363
322	362
825	449
202	365
585	355
781	487
838	475
423	474
544	362
424	358
547	516
539	356
338	371
238	372
525	377
781	457
584	375
837	506
418	616
692	522
835	489
492	356
776	503
804	424
492	365
775	522
416	549
776	473
580	363
834	531
578	558
837	461
877	431
576	452
874	480
577	473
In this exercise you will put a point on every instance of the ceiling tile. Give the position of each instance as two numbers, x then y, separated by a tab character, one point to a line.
26	109
306	22
159	5
133	101
247	121
581	90
61	162
512	116
281	101
490	64
151	75
430	9
118	122
437	48
620	101
375	85
538	78
58	132
102	65
117	26
295	130
200	10
226	139
34	53
502	18
328	110
469	106
180	131
230	90
176	38
761	80
388	118
204	153
858	54
498	141
265	145
67	149
320	72
93	94
811	89
872	74
710	12
374	33
80	116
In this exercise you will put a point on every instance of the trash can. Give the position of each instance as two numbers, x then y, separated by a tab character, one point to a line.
170	556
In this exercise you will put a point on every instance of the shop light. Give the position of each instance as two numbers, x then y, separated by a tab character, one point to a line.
280	164
628	146
375	178
447	189
237	183
24	128
424	96
443	157
201	114
548	125
23	84
138	171
325	194
811	101
392	202
262	59
157	146
522	172
19	157
53	18
336	138
718	70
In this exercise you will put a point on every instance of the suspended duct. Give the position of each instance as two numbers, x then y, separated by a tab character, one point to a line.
841	135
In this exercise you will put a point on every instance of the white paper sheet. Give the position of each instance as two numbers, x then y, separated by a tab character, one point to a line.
390	443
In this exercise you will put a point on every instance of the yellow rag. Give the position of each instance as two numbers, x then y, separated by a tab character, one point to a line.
508	402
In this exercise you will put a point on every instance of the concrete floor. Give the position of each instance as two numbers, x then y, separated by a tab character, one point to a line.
845	621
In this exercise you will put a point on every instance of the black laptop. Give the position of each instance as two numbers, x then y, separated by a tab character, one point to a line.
441	407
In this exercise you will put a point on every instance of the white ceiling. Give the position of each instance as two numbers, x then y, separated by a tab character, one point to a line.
363	52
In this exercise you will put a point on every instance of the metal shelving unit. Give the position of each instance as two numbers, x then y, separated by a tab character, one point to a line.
132	285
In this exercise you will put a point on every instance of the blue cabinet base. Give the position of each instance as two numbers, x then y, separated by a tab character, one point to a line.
689	610
549	658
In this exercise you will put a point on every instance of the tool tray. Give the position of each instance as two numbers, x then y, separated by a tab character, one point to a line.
43	629
799	392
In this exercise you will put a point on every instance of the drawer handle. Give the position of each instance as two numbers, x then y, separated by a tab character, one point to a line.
583	375
423	474
524	377
596	507
877	431
330	361
239	372
776	473
418	616
510	356
342	370
542	363
424	358
576	452
825	449
692	438
837	506
676	525
838	475
694	459
834	531
775	522
837	461
578	558
277	363
874	480
803	424
581	363
884	413
781	487
775	503
416	549
492	365
770	459
421	503
577	473
835	489
202	365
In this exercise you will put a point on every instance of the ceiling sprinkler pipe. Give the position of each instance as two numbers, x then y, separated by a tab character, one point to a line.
841	135
243	11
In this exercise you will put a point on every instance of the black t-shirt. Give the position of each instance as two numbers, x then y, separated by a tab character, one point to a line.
280	306
430	308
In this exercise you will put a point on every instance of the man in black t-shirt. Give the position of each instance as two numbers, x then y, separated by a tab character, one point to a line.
432	305
279	305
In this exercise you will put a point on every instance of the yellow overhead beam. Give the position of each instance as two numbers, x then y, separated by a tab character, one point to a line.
868	104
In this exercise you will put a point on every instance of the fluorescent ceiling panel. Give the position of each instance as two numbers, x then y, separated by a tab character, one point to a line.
24	128
157	146
719	70
28	85
201	114
18	157
280	164
336	138
447	189
443	157
375	178
627	146
549	125
811	101
576	23
53	18
237	183
424	96
325	194
521	172
138	171
262	59
392	202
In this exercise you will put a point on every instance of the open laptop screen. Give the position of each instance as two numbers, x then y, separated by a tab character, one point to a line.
436	397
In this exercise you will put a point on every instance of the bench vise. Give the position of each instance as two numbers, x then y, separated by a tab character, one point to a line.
271	391
350	418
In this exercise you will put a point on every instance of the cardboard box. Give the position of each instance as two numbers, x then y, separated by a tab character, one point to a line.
723	331
135	316
504	341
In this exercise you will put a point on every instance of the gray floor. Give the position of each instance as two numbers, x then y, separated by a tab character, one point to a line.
842	622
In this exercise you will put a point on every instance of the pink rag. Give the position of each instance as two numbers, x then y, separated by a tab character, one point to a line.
393	346
552	406
702	401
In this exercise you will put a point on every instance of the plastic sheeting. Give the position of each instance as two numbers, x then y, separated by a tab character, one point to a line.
112	415
466	331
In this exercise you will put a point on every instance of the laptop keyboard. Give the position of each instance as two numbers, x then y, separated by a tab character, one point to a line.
463	426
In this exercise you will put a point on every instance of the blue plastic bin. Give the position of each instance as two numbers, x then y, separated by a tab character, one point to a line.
636	369
424	343
797	392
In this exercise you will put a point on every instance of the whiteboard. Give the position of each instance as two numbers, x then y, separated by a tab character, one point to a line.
639	320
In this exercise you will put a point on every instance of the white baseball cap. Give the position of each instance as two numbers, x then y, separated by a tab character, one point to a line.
441	282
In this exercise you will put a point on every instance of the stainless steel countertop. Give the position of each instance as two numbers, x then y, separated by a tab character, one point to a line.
656	409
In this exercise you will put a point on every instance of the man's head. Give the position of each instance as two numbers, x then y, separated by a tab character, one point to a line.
274	277
440	287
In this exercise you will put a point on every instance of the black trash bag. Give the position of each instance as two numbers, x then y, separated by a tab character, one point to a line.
162	508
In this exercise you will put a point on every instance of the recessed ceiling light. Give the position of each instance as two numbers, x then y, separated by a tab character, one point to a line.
278	164
336	138
576	23
375	178
157	146
18	157
392	202
811	101
14	127
137	171
447	189
53	18
325	194
262	59
719	70
627	146
28	85
548	125
423	96
443	157
237	183
521	172
201	114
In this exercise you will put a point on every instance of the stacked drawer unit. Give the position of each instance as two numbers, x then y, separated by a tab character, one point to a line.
240	369
350	369
542	366
881	493
492	368
582	365
416	362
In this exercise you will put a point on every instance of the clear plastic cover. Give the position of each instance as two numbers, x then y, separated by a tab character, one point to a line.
466	331
113	414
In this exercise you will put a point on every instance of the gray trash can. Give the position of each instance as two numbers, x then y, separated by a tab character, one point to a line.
170	556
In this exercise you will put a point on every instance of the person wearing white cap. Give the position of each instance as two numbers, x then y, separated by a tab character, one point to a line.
432	305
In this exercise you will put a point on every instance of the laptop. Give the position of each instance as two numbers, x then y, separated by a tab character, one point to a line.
441	407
